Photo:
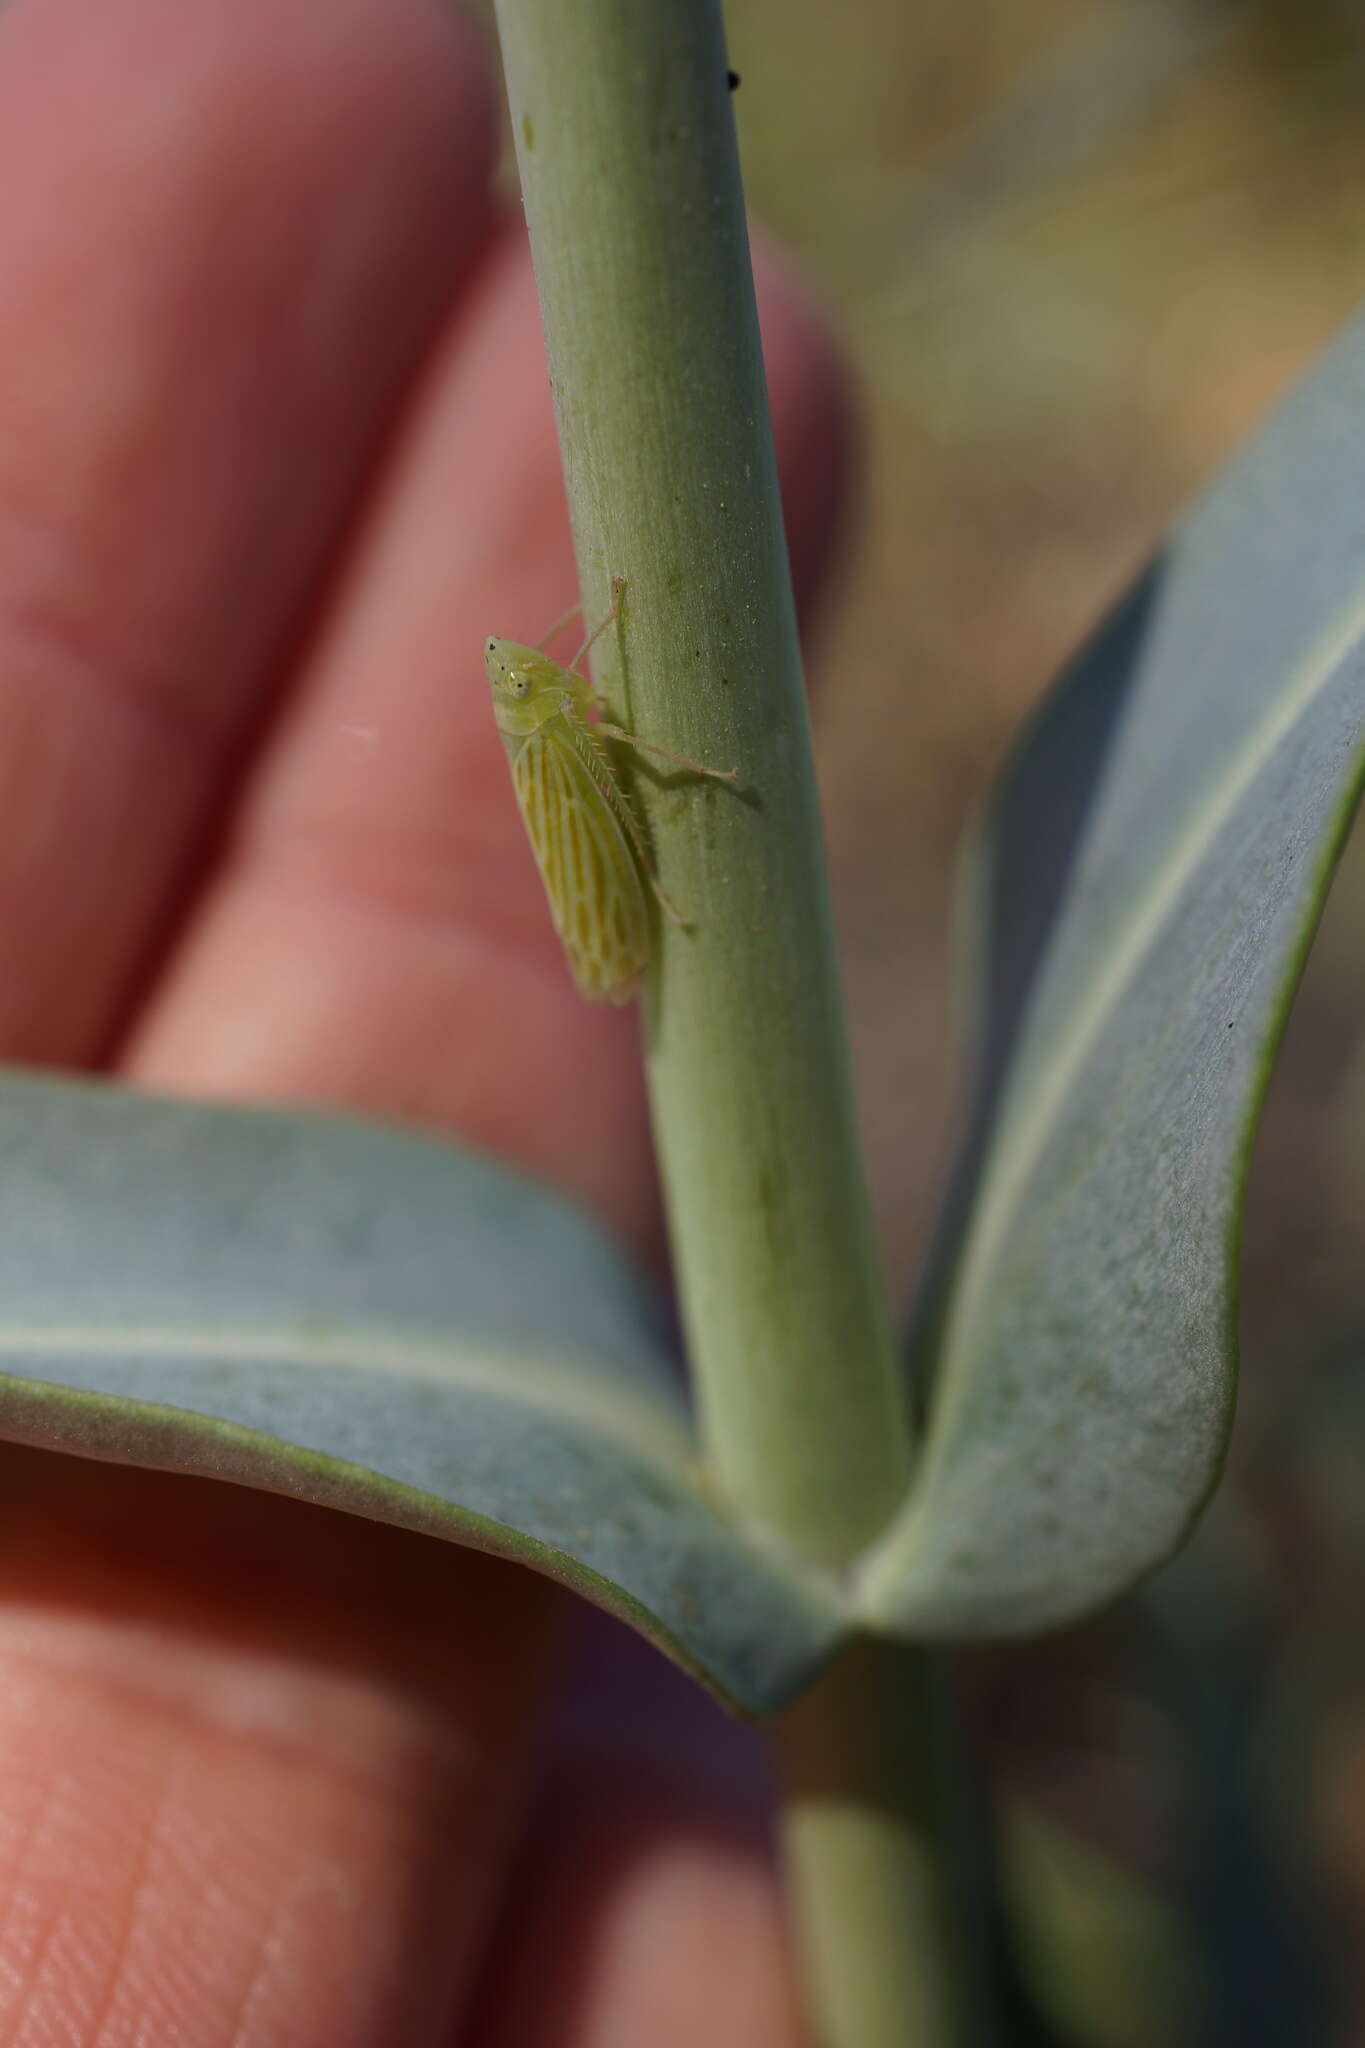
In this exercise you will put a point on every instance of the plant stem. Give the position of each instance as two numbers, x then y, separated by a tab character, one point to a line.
883	1952
630	177
632	194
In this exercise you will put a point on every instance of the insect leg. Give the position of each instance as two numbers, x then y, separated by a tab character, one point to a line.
618	588
618	732
667	905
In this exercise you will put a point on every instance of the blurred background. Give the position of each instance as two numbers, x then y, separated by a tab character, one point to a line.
1076	250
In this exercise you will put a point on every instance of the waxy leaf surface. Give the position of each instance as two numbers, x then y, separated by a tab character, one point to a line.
1157	856
379	1322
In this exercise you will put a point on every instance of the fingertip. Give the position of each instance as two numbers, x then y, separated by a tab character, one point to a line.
228	237
231	1755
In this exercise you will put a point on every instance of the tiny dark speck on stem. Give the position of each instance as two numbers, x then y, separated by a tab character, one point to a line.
732	80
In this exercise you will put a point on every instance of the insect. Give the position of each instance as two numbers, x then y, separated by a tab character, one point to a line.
589	845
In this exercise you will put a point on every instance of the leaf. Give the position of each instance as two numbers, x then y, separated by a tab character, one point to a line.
1158	854
379	1322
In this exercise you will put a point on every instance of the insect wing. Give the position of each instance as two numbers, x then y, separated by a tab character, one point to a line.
589	868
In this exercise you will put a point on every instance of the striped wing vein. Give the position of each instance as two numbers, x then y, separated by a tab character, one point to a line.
589	868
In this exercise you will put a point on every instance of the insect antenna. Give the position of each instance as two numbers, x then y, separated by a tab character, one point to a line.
618	590
560	623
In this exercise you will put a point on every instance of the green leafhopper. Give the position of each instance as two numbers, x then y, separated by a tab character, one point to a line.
589	845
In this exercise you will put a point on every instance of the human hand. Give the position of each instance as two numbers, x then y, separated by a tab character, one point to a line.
276	454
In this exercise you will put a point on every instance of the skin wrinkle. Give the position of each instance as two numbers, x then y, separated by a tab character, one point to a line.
139	1889
260	1990
20	1971
130	1666
312	1893
85	1932
178	1730
263	1987
46	627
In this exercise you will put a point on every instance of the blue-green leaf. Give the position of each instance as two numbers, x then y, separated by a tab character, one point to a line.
1158	855
331	1309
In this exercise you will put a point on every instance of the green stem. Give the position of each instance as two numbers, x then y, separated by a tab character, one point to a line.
631	184
630	177
868	1790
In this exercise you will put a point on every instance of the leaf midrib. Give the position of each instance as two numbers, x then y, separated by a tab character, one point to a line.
565	1392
